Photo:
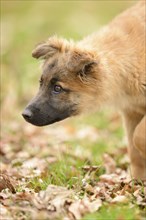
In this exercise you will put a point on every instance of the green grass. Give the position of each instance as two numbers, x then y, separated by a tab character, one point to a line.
61	174
114	212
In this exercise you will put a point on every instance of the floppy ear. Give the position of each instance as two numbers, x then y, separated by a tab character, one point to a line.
43	51
48	48
81	62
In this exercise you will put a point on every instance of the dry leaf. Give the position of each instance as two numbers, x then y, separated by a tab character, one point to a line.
120	199
53	198
109	164
81	207
5	183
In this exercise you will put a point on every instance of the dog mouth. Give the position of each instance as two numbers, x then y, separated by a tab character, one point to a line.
51	115
41	120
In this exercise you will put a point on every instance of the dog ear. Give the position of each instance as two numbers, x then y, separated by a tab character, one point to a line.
81	62
87	68
48	48
43	51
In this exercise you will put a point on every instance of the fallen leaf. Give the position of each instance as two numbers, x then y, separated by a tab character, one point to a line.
53	198
81	207
5	183
109	163
120	199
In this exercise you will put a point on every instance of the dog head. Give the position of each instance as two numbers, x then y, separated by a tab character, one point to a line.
67	84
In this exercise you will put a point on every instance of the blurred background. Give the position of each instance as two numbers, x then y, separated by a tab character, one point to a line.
24	24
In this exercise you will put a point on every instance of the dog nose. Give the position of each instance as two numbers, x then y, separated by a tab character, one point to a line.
27	114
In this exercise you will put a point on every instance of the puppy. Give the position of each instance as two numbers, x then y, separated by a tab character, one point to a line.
105	68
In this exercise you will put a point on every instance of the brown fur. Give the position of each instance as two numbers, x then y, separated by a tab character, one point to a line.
107	67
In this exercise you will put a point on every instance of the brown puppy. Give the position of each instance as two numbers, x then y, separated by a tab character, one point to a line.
107	67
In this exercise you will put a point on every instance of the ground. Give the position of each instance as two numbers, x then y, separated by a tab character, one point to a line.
72	170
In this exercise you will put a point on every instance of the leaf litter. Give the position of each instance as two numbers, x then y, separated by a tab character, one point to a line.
109	183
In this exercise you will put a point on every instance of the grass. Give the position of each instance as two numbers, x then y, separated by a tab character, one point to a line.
115	212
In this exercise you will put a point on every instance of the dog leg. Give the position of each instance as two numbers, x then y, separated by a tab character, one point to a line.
139	137
138	163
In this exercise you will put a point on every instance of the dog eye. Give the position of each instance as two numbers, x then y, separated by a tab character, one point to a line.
57	89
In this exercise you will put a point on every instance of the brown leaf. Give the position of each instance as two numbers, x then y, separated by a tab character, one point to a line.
53	198
5	182
120	199
109	163
4	212
27	196
81	207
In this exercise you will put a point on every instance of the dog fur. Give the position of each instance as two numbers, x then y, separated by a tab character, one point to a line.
105	68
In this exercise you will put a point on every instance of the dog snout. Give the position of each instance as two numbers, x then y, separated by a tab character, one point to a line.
27	114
